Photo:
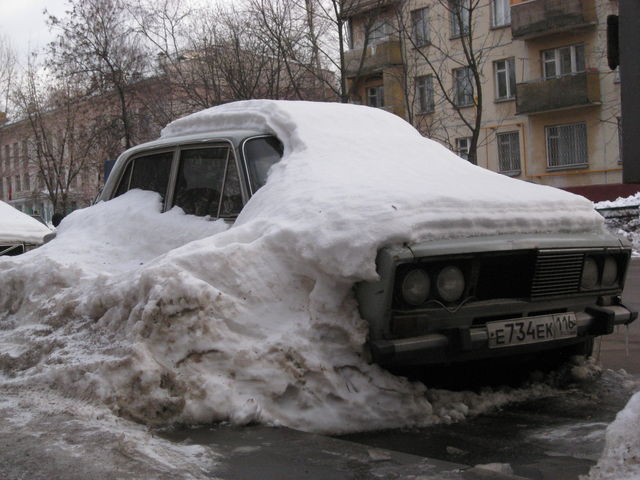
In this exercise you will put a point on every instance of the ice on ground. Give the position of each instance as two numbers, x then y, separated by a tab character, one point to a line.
16	226
65	434
170	318
621	457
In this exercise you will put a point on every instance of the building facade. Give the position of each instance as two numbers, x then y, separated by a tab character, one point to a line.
528	78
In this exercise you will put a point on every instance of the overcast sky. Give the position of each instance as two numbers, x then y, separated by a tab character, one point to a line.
22	22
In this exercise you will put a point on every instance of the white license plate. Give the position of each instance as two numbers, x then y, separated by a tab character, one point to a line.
521	331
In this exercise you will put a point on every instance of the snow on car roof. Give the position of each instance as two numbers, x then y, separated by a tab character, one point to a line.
16	226
359	176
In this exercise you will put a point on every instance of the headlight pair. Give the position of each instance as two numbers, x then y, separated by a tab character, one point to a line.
594	273
449	285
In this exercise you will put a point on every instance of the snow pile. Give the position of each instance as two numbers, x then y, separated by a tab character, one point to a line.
633	200
627	226
621	456
165	317
16	226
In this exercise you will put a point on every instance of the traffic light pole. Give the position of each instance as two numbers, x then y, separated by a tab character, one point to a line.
629	40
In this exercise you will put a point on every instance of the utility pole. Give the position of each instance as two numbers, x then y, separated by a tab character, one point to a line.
629	39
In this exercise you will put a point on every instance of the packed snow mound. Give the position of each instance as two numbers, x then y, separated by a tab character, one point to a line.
621	457
20	227
167	317
354	178
632	200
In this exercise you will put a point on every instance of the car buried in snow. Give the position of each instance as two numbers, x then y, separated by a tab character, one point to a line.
435	302
20	232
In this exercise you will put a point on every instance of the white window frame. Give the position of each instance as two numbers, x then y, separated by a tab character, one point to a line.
375	96
463	87
464	6
463	145
420	26
553	57
566	146
508	144
425	94
508	70
500	13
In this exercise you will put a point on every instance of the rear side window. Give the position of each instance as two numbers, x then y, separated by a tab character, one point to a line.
207	183
260	154
150	172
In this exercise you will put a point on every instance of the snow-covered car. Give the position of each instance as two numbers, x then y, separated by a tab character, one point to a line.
469	264
19	232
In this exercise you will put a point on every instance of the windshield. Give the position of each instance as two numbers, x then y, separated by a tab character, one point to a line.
259	154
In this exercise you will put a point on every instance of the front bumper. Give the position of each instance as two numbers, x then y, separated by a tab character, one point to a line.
464	344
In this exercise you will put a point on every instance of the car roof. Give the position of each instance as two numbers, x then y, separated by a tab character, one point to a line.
234	136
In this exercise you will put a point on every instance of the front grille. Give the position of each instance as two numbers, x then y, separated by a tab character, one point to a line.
523	275
557	273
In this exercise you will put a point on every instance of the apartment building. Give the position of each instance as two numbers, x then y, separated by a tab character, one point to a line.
527	78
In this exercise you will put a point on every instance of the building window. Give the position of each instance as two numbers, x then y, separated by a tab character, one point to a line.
500	13
505	75
424	94
462	147
566	145
27	182
420	26
558	62
509	152
375	96
463	86
460	17
18	186
1	188
378	32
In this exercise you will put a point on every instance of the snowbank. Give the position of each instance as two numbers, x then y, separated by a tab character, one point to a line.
621	456
166	317
16	226
627	226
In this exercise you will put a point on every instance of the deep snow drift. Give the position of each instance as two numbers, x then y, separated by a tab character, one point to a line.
165	317
18	226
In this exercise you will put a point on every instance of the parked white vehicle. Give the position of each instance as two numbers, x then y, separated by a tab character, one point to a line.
19	232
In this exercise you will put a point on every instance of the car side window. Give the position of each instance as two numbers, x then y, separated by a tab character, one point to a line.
149	172
200	179
260	154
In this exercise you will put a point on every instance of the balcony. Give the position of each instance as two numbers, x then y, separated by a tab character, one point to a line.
358	7
571	91
537	18
376	58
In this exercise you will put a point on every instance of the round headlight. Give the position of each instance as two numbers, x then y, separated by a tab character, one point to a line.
589	274
415	287
609	272
450	283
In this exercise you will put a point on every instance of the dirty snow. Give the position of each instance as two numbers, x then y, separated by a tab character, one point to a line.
168	318
16	226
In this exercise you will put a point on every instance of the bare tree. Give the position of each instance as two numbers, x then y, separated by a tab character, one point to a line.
98	47
7	75
66	139
455	56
